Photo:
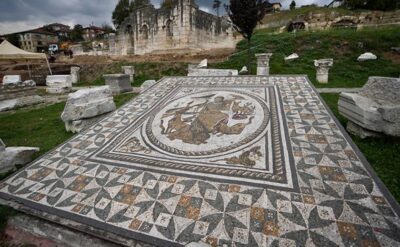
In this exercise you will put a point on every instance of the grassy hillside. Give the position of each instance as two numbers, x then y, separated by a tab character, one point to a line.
343	45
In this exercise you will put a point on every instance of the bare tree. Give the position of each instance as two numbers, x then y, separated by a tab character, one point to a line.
245	15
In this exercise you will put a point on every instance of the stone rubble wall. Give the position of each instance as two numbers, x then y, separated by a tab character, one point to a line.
16	91
322	21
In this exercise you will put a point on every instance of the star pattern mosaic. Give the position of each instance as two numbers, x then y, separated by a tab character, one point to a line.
339	201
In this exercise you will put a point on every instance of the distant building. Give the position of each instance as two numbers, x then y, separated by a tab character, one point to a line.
92	32
276	7
60	29
36	40
335	4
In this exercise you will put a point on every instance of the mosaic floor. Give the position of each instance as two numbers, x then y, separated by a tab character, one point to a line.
236	161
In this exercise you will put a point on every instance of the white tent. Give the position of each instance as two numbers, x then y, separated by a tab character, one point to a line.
10	52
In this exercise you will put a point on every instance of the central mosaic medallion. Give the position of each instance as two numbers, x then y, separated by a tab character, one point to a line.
207	123
229	134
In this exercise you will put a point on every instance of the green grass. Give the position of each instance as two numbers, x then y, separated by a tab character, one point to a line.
41	128
341	45
383	154
144	71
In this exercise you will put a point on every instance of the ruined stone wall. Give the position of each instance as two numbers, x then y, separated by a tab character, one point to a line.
315	20
181	27
16	91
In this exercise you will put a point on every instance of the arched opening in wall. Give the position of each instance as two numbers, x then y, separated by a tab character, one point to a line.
129	33
295	26
145	32
344	23
169	28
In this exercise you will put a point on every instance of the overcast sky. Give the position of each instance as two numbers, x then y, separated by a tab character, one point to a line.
19	15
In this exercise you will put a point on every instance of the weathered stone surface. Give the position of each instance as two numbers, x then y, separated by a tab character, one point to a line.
11	104
244	70
367	56
77	126
263	63
203	64
291	57
323	66
31	83
147	84
75	76
178	28
86	104
375	109
11	79
213	72
58	83
119	83
129	70
11	156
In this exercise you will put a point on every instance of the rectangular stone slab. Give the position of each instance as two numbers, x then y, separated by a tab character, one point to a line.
248	160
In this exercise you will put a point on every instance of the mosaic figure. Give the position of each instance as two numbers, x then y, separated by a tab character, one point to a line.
213	115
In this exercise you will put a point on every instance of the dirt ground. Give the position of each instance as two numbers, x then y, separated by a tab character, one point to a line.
216	55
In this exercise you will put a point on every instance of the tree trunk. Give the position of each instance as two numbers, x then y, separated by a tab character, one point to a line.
248	53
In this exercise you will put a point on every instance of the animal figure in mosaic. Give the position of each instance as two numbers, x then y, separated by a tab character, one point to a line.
248	158
196	123
133	145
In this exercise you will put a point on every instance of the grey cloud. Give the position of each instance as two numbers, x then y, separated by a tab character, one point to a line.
18	15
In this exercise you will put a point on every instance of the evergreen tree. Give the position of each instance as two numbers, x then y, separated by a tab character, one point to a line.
138	3
77	33
169	4
120	12
292	5
245	15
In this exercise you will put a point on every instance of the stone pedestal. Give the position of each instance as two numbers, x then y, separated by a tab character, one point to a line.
75	77
129	70
323	66
84	107
119	83
58	84
263	63
11	79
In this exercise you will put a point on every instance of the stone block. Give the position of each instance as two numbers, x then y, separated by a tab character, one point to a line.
375	109
291	57
77	126
11	79
203	64
58	84
367	56
83	105
243	71
119	83
12	156
75	76
147	84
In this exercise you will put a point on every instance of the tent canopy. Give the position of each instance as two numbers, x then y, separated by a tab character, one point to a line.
9	51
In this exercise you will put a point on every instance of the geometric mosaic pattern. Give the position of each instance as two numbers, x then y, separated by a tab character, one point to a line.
129	174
